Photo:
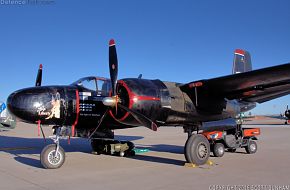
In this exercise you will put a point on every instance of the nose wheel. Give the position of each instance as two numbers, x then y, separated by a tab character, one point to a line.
52	156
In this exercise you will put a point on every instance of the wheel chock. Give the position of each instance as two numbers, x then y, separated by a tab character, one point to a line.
209	162
190	165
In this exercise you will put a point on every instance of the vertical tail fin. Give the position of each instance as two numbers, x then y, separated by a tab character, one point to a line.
242	61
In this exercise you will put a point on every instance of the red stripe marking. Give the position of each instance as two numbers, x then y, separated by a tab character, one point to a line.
131	95
147	98
40	66
240	51
249	93
77	112
195	84
38	127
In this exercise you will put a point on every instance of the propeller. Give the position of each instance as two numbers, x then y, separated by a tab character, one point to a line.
39	76
113	63
114	100
142	119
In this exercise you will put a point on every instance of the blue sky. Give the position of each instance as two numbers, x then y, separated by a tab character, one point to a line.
171	40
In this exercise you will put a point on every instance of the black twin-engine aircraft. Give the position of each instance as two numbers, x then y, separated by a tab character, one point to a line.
93	107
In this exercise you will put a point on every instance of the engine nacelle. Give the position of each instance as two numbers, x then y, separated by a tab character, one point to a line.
140	95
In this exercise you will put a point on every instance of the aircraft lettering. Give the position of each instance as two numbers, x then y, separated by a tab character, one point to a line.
41	111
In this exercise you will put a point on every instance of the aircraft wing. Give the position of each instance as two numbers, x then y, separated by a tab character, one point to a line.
254	86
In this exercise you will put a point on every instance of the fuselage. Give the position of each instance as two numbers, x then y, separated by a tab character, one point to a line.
80	104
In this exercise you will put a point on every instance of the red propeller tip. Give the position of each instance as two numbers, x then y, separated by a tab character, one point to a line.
112	42
40	66
240	51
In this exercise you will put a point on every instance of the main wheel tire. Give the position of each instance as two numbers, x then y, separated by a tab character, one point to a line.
47	158
197	149
218	150
252	147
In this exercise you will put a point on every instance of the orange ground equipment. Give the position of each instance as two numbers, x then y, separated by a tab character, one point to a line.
232	139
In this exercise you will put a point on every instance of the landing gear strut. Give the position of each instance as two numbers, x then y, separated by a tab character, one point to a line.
53	156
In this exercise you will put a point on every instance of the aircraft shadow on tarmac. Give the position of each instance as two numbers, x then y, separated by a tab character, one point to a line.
156	159
160	148
19	147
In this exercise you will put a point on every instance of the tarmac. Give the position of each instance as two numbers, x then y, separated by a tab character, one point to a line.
160	168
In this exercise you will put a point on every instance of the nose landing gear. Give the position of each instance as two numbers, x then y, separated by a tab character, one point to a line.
52	156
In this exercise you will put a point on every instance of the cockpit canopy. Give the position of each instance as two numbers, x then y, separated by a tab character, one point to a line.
102	86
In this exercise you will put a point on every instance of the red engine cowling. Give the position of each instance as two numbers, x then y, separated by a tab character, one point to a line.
140	95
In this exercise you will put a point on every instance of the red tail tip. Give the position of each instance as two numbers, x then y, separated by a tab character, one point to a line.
40	66
240	51
112	42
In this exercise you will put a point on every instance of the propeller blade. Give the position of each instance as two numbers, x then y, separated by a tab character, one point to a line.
142	119
39	76
113	63
100	122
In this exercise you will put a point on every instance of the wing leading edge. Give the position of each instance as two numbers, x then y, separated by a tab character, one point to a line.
254	86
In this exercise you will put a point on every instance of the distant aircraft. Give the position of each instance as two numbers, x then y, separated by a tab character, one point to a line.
7	121
93	107
287	115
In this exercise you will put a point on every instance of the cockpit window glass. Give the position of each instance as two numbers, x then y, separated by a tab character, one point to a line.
103	87
89	84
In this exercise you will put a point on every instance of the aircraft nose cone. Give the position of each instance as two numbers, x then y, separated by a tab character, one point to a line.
19	104
36	103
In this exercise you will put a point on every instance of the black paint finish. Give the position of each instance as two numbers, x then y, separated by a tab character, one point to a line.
164	103
52	105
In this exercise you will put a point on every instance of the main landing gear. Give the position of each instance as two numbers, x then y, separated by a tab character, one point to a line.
53	156
196	149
